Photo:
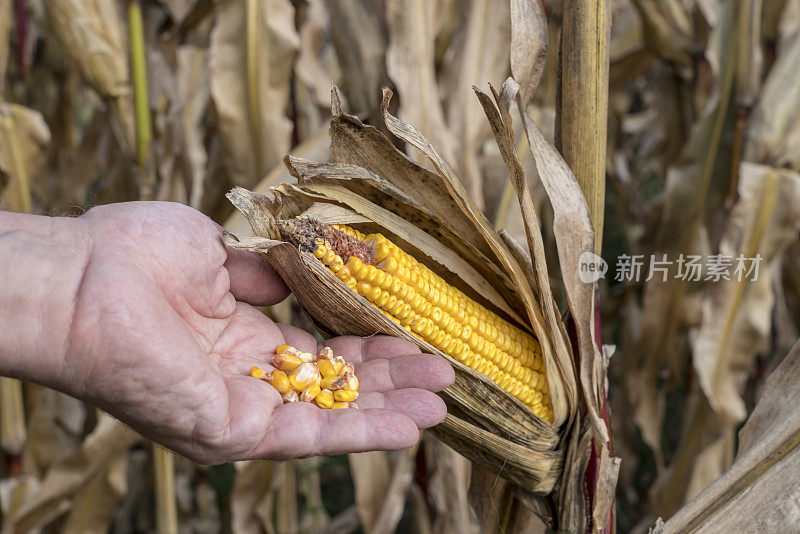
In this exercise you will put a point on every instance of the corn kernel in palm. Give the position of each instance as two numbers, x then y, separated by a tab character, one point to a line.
350	382
345	395
280	381
257	372
310	393
339	364
304	375
324	399
342	405
333	383
286	362
285	348
326	368
290	396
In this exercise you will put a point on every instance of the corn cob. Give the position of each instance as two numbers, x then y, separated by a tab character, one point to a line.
326	380
425	305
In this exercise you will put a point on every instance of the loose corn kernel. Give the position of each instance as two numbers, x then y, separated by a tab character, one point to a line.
338	405
280	381
286	362
326	368
310	378
257	372
284	348
338	364
303	375
310	393
333	383
345	395
325	399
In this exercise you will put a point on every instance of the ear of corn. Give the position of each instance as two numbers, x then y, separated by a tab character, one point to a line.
419	300
325	380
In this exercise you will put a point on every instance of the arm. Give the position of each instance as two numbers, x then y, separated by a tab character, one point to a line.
140	309
42	261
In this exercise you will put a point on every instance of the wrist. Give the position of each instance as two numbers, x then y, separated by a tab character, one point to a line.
43	260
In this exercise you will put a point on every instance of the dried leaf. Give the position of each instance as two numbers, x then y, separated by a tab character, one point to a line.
410	64
371	474
574	238
758	493
315	147
194	97
479	52
5	40
528	46
252	483
667	31
500	120
449	475
572	505
359	36
24	145
93	35
250	85
96	503
59	487
773	135
737	312
55	424
309	67
681	230
393	494
358	144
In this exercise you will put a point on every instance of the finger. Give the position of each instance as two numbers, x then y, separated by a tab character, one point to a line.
426	409
424	371
253	280
299	338
361	349
300	429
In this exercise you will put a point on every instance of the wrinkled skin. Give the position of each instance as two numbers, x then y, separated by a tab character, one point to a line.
162	333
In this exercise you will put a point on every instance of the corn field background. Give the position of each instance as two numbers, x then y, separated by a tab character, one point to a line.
181	100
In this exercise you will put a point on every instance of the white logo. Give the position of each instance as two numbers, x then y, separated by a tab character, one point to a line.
591	267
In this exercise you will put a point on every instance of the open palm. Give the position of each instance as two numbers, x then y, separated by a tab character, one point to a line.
164	333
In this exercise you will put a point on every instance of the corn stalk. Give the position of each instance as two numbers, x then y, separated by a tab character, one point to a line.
141	104
12	413
581	123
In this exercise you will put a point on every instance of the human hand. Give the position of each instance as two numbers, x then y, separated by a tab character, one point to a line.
163	334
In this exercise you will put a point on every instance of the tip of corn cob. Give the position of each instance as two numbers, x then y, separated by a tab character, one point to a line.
325	379
429	308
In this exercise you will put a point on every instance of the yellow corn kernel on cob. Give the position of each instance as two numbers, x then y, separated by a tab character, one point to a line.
419	300
301	376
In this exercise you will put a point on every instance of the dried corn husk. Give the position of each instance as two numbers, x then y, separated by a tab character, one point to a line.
93	34
484	423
